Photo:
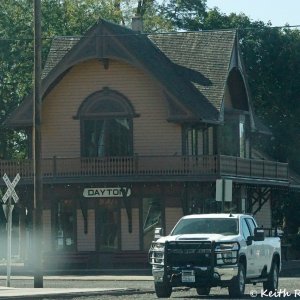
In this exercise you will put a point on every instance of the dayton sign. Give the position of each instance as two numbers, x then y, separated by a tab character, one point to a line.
106	192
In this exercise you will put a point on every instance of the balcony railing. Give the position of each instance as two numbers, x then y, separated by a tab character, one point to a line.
149	166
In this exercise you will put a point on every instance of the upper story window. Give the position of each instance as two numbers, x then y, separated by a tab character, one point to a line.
106	125
196	140
234	135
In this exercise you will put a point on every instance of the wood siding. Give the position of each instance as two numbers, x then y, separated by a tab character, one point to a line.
172	215
130	241
263	216
86	241
152	133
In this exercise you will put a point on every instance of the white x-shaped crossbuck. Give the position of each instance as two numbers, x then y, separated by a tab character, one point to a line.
11	188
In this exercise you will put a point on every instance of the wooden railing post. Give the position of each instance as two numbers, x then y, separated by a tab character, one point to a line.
136	163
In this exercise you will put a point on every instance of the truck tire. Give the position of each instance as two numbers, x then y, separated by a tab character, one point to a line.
236	288
203	291
162	289
272	283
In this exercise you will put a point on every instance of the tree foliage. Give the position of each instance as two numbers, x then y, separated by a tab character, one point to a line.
16	59
185	14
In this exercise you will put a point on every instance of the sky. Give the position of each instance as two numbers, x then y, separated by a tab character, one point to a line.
279	12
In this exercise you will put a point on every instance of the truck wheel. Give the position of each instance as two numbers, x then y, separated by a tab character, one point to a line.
236	288
203	291
272	283
162	290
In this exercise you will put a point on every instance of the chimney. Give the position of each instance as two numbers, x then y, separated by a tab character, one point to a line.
137	23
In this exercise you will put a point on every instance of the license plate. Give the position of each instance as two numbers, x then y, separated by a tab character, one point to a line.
188	276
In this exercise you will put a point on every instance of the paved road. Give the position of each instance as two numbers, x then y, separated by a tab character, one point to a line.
143	286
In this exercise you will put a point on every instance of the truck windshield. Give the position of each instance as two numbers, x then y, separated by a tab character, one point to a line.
222	226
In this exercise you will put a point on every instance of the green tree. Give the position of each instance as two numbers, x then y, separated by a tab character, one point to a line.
184	14
16	60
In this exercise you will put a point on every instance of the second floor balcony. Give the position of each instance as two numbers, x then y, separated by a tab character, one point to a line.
147	168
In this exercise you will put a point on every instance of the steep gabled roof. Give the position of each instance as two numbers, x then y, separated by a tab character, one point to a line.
192	68
202	58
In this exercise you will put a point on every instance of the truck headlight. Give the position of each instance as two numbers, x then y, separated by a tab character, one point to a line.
157	253
227	246
227	253
158	247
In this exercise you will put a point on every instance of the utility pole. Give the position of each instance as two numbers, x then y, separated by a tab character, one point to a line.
37	151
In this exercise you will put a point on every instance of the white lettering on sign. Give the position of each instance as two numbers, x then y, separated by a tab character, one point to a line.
106	192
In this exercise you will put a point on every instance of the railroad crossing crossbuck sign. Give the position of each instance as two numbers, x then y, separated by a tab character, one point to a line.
10	188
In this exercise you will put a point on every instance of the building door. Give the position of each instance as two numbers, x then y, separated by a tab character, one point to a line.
65	229
108	220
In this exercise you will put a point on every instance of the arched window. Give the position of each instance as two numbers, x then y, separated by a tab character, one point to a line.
106	125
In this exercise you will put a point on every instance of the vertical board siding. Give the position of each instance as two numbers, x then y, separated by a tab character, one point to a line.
153	135
86	242
172	214
47	229
130	241
263	216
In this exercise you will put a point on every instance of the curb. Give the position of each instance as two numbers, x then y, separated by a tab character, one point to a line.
21	271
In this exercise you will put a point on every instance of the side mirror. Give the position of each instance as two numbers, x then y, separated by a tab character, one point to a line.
259	234
158	233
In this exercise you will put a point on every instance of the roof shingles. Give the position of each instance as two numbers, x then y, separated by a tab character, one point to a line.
206	54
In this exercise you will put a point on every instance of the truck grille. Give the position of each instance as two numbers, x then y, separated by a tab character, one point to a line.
196	253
